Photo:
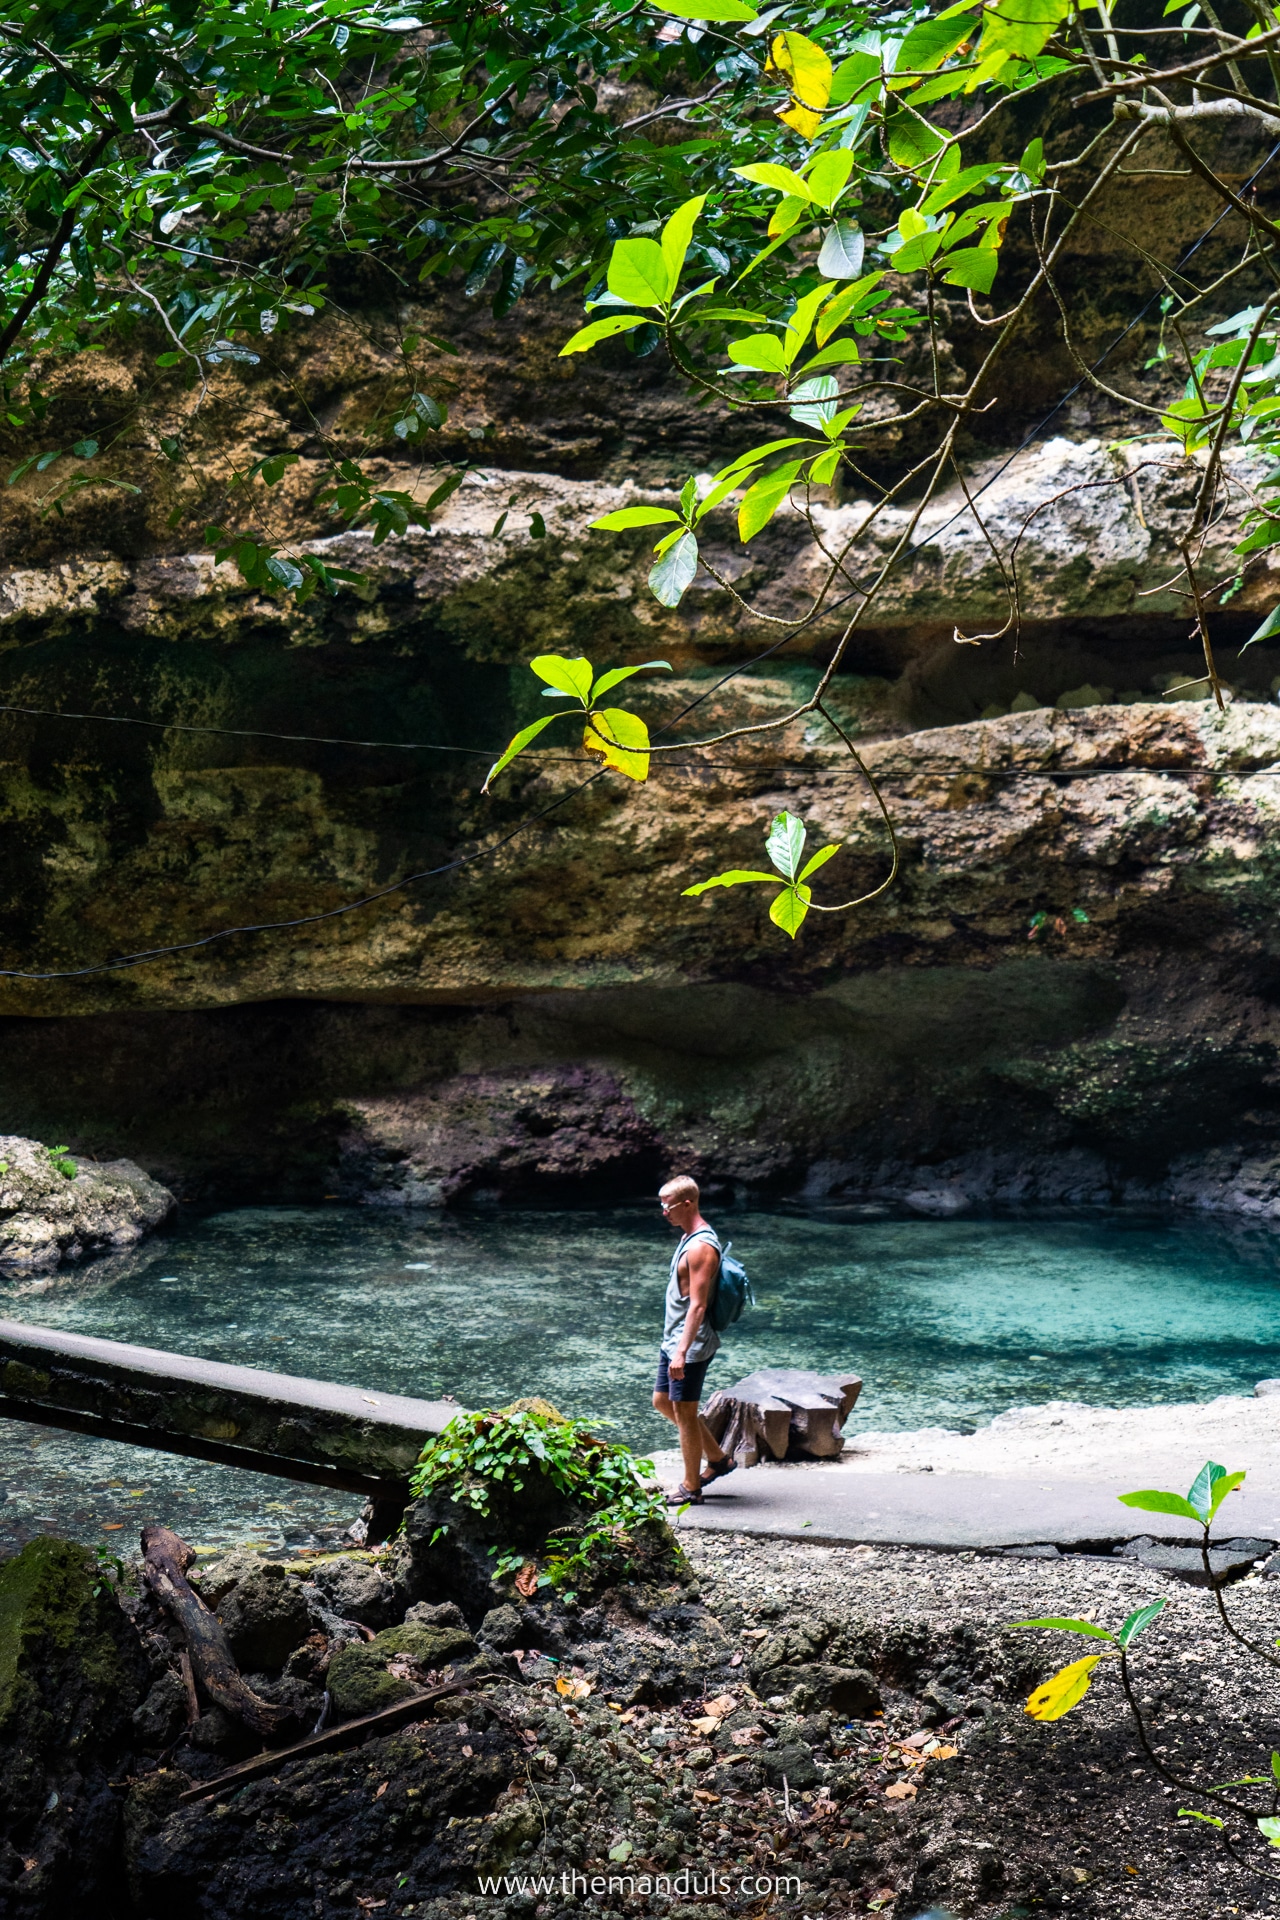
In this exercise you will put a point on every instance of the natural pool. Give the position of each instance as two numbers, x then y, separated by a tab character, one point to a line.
948	1321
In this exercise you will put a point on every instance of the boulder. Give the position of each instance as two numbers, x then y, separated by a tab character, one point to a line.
266	1616
72	1673
356	1590
55	1208
850	1691
392	1666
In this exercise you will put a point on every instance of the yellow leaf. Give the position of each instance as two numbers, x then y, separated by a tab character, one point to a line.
805	121
705	1723
805	65
944	1753
621	739
1064	1691
572	1686
901	1790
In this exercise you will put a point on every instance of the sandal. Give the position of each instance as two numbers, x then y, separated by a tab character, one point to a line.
685	1497
717	1469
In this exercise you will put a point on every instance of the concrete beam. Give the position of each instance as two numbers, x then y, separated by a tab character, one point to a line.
308	1430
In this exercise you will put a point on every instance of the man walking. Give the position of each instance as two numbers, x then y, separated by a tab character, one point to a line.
689	1340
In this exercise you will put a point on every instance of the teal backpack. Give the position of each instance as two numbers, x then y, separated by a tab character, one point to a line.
733	1292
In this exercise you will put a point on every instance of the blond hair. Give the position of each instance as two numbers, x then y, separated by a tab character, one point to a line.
680	1189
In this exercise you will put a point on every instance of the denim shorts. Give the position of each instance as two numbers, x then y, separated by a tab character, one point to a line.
690	1388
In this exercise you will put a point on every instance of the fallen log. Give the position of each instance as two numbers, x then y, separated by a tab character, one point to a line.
350	1733
781	1408
165	1559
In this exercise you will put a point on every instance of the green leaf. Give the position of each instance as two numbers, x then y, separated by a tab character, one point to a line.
1020	27
784	843
1150	1501
840	353
767	173
848	301
517	745
859	71
1200	1493
758	454
638	273
932	41
1068	1625
789	908
828	177
587	336
616	675
955	188
1269	1829
677	234
1139	1621
760	350
634	517
1190	1813
674	573
823	470
971	267
283	571
842	251
1064	1691
567	676
911	141
736	877
722	490
85	449
819	859
762	501
1225	1484
715	10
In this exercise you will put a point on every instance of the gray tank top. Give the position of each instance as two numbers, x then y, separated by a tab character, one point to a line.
677	1304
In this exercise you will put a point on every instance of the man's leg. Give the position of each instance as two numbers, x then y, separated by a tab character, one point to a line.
662	1405
696	1440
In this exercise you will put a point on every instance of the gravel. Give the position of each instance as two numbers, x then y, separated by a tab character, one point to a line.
999	1818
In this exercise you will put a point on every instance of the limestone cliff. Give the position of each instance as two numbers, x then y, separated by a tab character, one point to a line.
1075	967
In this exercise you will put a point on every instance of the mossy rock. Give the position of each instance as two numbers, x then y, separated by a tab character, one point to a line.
64	1675
71	1673
358	1680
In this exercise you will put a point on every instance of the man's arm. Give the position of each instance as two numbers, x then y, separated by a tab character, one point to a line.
703	1263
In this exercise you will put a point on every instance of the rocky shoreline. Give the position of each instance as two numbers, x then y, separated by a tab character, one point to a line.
845	1725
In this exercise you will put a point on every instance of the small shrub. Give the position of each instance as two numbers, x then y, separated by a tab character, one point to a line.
504	1448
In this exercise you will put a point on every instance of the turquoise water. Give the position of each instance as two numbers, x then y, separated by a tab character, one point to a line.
948	1321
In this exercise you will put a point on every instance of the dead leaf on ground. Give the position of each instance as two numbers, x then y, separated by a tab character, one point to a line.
368	1905
944	1753
736	1660
705	1723
468	1753
381	1790
527	1579
901	1790
573	1686
707	1799
722	1704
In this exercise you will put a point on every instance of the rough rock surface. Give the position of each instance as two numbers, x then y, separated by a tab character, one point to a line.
572	1020
48	1215
71	1674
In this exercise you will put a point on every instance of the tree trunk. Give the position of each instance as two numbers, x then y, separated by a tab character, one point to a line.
165	1559
780	1408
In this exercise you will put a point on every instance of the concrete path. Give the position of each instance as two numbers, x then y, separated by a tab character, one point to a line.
1049	1473
949	1509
